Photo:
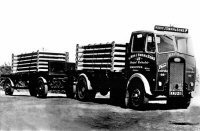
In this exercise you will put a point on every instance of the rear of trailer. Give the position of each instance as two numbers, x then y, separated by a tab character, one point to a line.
37	71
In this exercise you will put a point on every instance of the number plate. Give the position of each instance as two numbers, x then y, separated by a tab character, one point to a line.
176	93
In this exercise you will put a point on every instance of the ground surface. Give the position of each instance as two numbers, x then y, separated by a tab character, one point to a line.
23	112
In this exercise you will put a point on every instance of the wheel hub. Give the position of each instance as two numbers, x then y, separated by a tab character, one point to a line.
136	94
135	97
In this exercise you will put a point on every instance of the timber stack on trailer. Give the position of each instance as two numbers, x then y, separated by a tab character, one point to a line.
36	61
109	56
98	66
36	71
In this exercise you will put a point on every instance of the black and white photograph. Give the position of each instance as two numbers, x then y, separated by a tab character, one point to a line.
99	65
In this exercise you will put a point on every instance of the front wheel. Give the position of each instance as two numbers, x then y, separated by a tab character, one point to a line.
42	88
136	97
8	87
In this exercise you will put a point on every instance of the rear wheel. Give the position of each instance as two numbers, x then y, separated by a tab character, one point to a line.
42	88
82	92
136	96
8	87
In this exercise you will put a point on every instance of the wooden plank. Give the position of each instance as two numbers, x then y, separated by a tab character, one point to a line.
95	60
95	46
24	71
41	55
95	65
47	60
27	65
119	50
120	45
25	58
51	57
122	61
27	68
93	68
51	53
43	67
25	61
123	66
93	50
96	56
96	51
119	56
27	54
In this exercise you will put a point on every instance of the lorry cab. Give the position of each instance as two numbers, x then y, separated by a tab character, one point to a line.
164	59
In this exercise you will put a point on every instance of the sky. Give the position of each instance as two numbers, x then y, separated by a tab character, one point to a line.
58	25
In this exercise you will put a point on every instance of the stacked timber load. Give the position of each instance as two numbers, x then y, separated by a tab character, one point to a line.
36	61
109	56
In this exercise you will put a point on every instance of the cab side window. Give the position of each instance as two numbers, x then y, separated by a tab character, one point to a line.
151	47
138	42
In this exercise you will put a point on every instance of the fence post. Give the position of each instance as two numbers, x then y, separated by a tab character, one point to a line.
38	60
112	56
66	56
12	65
76	59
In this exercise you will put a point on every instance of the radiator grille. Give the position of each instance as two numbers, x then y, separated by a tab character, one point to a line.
176	78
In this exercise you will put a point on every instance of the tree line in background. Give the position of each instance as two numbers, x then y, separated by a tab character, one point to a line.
4	69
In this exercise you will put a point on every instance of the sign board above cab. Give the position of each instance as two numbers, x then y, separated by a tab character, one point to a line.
170	29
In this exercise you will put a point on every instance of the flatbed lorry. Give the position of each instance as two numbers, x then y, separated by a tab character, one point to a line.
153	63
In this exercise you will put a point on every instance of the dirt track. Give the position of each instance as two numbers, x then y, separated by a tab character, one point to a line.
23	112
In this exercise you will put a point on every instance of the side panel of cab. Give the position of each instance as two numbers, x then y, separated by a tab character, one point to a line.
141	57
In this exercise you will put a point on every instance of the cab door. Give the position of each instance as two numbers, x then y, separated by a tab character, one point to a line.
150	49
141	57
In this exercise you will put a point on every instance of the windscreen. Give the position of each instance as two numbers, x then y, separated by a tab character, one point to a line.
165	43
184	45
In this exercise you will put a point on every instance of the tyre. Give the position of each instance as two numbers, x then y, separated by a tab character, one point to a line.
82	92
136	96
42	88
32	88
186	103
8	87
104	92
